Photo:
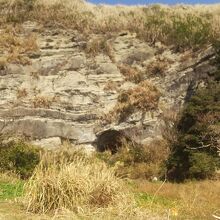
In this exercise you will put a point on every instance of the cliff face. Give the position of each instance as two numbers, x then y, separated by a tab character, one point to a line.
70	86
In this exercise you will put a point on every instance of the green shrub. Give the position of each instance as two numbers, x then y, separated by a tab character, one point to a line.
195	153
155	24
185	164
19	157
202	165
189	32
183	31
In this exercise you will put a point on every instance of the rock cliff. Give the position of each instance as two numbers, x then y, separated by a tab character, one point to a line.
71	84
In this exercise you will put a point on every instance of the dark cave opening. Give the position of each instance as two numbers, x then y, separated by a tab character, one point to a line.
110	140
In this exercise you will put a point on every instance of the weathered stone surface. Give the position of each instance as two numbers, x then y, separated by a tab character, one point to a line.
61	94
38	128
49	143
128	49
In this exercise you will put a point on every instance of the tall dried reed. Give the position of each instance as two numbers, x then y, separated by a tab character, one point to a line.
80	184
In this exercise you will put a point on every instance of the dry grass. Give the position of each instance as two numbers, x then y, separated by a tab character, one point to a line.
99	45
136	161
159	66
3	63
71	185
130	73
15	47
82	186
22	93
35	75
8	177
186	56
14	211
183	26
191	200
111	86
43	101
144	97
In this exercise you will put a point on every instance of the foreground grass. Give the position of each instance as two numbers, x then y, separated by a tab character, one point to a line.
11	196
10	187
10	190
191	200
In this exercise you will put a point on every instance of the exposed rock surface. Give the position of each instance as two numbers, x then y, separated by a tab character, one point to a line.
61	94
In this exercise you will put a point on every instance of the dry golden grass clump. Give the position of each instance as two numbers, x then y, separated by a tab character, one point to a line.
143	97
130	73
159	66
80	184
43	101
21	93
16	47
190	200
137	161
111	86
99	45
3	63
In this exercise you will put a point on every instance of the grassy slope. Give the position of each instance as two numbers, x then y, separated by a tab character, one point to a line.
183	26
11	191
192	200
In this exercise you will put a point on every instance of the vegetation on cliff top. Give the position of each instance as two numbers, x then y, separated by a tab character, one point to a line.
180	26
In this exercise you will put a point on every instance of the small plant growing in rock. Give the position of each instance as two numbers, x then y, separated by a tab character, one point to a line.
30	43
42	102
159	66
22	93
99	45
143	97
130	73
111	86
186	56
35	75
36	91
3	64
16	47
16	58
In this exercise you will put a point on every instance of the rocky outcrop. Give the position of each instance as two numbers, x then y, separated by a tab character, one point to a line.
61	94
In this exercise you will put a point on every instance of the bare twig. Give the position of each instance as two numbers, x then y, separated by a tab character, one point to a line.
216	216
157	192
